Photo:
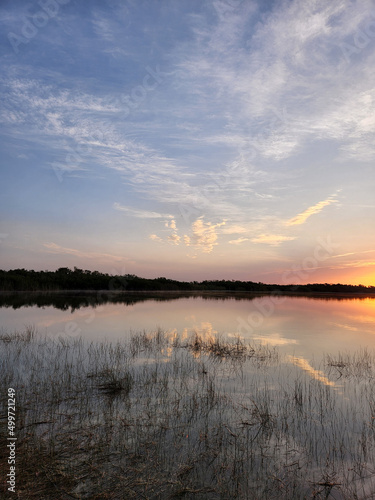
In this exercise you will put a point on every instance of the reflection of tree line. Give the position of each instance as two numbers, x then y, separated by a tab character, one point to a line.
77	300
78	279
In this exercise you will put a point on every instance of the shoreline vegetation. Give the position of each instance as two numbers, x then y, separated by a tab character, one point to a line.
65	279
203	417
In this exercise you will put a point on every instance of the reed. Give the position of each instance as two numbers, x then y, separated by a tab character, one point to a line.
162	416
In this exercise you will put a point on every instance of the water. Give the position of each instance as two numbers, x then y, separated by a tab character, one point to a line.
282	413
299	326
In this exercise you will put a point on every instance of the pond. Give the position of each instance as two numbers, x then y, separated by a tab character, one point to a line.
209	396
298	325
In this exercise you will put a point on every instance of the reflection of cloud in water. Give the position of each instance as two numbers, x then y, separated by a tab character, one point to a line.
305	365
170	336
205	332
361	318
275	339
167	351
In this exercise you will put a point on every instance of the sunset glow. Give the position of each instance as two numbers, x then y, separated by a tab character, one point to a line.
224	139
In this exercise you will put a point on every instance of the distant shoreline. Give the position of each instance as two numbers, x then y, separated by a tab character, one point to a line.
275	292
65	279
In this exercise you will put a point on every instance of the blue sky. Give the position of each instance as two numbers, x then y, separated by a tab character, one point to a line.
190	139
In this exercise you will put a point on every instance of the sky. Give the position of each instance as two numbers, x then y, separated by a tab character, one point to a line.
191	139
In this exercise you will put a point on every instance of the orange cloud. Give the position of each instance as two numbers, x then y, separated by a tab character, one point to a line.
174	238
204	235
315	209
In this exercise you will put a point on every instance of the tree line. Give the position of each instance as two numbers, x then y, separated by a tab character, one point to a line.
79	279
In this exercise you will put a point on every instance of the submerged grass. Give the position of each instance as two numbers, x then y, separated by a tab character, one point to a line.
165	417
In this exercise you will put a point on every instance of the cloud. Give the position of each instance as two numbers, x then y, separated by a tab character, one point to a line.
203	235
171	224
86	132
57	249
357	263
174	238
154	237
234	229
347	327
245	87
280	70
315	209
144	214
238	241
272	239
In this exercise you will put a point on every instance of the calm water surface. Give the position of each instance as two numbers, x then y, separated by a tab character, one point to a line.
289	404
299	326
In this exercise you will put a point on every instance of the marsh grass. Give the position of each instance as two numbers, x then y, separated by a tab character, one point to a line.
357	364
25	336
197	417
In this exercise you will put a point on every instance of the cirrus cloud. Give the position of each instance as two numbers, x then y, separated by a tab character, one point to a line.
315	209
272	239
58	249
143	214
238	241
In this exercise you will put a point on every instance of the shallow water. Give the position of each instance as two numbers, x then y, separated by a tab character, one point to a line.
302	327
280	414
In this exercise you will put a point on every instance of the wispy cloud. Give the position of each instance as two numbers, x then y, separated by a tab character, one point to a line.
143	214
254	99
58	249
154	237
345	326
298	38
238	241
272	239
234	229
313	210
357	263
